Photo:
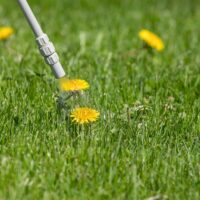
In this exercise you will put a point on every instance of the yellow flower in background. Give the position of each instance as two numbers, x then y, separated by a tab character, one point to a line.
84	115
73	85
5	32
151	39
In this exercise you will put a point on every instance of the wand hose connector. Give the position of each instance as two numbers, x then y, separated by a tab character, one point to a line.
46	47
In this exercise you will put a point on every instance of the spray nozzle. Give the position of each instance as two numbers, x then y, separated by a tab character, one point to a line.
46	47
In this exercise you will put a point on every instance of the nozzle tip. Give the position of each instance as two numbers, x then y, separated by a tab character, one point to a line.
58	70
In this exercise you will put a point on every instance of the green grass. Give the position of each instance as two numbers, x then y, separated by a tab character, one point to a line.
147	141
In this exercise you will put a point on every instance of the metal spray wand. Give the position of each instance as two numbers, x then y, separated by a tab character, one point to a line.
46	47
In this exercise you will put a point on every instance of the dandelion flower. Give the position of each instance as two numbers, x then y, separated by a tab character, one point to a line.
84	115
5	32
73	85
151	39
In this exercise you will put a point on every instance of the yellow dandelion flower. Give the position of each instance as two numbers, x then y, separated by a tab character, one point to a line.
84	115
5	32
151	39
73	85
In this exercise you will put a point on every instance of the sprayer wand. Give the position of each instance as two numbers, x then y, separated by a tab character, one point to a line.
46	47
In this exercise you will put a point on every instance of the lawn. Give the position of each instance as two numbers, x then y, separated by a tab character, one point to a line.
146	142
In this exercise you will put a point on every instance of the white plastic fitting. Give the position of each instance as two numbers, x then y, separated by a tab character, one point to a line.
46	47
